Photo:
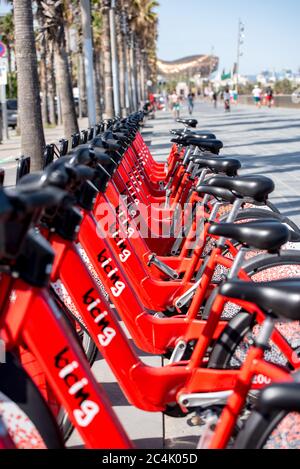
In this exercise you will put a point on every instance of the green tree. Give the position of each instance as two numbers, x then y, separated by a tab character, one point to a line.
283	87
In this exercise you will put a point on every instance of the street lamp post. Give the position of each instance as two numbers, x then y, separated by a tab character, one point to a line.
241	36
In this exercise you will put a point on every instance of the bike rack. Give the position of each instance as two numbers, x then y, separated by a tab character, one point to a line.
2	175
75	140
84	137
63	147
23	167
48	156
91	133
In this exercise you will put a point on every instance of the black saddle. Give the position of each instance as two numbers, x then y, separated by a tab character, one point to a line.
222	195
280	298
229	166
188	122
214	145
205	144
264	235
256	187
200	133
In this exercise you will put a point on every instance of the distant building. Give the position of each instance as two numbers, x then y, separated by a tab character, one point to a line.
203	65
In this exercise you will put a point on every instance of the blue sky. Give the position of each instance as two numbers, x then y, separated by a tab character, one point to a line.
272	35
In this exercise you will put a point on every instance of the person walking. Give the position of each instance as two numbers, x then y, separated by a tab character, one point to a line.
269	97
257	96
226	97
215	99
190	100
175	102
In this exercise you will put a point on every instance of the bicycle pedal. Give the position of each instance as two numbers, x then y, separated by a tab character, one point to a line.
164	268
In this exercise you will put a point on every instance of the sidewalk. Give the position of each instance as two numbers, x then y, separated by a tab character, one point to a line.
267	141
11	149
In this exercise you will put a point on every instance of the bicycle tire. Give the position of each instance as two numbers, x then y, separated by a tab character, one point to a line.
258	429
26	398
239	326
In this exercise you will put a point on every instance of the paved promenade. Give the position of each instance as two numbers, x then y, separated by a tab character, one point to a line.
267	141
11	149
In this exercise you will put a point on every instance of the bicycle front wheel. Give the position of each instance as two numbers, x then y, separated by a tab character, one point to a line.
232	347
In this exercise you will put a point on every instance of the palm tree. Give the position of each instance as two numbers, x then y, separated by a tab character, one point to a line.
143	22
29	105
54	29
42	48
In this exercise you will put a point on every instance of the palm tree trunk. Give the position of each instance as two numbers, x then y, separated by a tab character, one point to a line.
9	77
51	90
134	74
121	59
82	86
44	83
97	81
29	104
130	77
139	76
64	86
108	88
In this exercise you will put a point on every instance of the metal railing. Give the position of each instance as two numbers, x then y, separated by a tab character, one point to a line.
284	101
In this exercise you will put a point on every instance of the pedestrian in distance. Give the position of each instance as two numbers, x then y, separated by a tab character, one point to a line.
257	95
215	99
235	97
226	97
269	97
190	100
175	102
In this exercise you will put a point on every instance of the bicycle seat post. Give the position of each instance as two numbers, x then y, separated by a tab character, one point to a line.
231	218
237	264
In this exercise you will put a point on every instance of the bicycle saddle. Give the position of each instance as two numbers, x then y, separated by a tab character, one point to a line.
256	187
200	133
213	145
229	166
189	122
263	235
280	298
222	195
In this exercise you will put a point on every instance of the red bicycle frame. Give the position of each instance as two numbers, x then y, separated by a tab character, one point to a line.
253	366
27	313
148	388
